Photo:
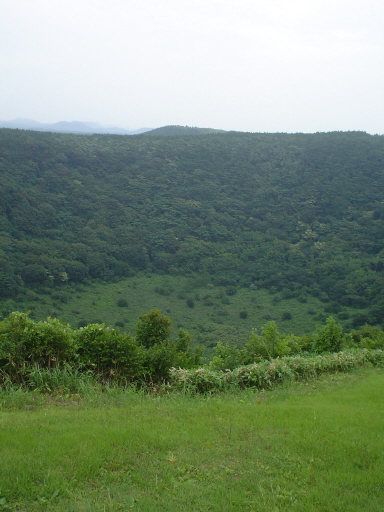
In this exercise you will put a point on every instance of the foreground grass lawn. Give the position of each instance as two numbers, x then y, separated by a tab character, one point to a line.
310	447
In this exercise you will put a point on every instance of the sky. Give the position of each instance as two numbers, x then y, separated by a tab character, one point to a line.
245	65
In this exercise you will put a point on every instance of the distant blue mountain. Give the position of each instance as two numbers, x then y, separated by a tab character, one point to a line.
69	127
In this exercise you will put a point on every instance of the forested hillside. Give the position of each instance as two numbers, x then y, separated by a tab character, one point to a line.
298	214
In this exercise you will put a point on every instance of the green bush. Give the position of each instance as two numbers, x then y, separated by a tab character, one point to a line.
185	356
117	356
163	290
200	380
328	337
264	346
25	343
160	357
227	357
268	374
153	328
108	352
368	337
263	375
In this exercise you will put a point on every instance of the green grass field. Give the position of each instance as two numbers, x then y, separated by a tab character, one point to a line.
215	315
315	446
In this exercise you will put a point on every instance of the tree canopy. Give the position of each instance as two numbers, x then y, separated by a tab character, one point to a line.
297	213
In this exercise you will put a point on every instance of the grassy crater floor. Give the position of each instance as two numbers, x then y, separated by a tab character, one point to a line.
315	446
210	313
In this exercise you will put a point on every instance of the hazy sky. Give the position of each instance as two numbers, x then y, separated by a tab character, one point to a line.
249	65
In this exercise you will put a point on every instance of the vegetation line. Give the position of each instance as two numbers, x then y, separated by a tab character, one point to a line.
51	357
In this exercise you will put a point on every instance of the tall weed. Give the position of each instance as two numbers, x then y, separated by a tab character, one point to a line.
59	380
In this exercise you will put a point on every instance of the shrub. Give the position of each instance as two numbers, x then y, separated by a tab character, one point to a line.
268	374
157	361
360	319
329	337
243	315
288	344
368	337
109	353
24	343
153	334
201	380
208	301
231	290
163	290
272	344
122	303
185	356
227	357
333	307
60	297
190	303
153	328
256	348
160	357
263	375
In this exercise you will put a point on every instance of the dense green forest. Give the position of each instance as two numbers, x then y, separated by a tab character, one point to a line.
298	215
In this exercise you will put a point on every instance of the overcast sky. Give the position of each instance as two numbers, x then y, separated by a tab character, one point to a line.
248	65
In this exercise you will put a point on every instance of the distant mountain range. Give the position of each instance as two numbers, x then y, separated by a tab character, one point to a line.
90	128
69	127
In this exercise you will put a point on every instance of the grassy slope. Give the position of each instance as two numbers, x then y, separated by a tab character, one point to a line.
210	320
311	447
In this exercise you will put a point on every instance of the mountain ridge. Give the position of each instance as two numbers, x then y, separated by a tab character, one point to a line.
76	127
179	130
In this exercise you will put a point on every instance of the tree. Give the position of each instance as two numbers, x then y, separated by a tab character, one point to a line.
153	333
153	328
264	346
271	337
35	273
328	337
185	356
